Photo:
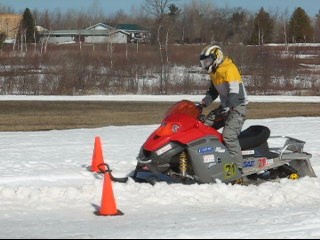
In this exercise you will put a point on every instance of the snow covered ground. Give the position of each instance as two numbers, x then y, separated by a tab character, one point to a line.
46	190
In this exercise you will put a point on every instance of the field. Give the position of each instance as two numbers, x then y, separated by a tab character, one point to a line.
48	115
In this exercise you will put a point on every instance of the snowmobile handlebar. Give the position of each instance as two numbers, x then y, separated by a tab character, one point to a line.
214	119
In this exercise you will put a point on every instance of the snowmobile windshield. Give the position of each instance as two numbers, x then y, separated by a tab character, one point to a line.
184	107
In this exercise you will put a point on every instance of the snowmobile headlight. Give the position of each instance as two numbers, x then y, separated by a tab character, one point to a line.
143	160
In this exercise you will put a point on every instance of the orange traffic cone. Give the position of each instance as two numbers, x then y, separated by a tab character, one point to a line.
97	158
108	203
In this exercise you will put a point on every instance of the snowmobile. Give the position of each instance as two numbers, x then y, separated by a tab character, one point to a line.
188	148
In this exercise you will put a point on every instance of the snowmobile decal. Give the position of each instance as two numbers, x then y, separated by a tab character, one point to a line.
248	152
247	164
164	149
263	162
212	165
206	150
220	150
230	170
209	159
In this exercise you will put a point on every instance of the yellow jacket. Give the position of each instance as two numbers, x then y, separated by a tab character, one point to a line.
227	83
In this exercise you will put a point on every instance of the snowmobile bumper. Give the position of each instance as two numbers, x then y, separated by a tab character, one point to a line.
152	178
292	151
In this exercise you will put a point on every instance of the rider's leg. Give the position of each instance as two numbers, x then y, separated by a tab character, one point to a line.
231	132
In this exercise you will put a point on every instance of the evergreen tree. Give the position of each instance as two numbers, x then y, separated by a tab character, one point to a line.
300	29
174	10
28	28
263	28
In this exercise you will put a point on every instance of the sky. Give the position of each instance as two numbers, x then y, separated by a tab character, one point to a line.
46	190
312	7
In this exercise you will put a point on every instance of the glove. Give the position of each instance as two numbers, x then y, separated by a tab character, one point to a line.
200	107
221	115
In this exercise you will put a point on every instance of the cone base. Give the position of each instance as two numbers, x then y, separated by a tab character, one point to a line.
119	213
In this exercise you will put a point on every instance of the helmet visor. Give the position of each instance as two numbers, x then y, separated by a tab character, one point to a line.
207	62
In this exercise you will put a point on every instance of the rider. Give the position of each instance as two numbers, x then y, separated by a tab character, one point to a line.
226	82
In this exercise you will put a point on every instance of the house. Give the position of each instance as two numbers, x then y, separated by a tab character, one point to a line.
98	33
138	34
9	24
100	26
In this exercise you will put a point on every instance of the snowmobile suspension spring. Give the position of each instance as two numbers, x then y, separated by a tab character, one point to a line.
183	164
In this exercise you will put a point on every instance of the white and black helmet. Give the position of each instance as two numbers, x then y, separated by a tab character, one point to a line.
210	58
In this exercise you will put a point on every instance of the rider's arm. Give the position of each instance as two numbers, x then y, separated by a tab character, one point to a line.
211	95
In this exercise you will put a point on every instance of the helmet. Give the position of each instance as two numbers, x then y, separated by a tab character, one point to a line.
210	58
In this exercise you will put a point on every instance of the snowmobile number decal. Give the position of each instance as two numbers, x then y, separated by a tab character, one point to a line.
230	170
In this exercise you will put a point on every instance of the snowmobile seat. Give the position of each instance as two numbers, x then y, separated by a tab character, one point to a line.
253	136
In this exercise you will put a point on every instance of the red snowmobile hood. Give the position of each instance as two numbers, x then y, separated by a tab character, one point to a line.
180	124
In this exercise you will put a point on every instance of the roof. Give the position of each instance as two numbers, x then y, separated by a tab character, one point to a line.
99	26
130	27
85	32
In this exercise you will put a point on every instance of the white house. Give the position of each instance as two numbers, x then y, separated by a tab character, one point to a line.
98	33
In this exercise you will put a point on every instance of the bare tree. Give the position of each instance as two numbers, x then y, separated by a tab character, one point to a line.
6	9
317	27
157	8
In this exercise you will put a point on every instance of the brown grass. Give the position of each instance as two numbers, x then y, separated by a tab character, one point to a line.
47	115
